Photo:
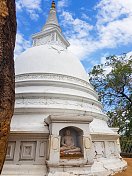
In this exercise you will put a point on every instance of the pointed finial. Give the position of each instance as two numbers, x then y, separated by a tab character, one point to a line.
53	5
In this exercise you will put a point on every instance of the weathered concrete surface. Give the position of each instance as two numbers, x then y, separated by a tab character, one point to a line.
128	171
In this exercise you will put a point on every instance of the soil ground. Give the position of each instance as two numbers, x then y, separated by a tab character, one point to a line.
128	171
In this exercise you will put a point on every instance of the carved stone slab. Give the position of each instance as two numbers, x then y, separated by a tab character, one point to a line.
10	150
99	149
27	150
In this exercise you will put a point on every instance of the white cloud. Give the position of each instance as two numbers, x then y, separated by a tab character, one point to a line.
116	32
85	17
21	44
111	10
77	32
81	28
113	22
112	28
61	4
31	6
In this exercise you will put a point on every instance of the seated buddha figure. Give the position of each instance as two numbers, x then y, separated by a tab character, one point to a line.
68	146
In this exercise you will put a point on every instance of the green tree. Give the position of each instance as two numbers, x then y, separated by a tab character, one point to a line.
113	82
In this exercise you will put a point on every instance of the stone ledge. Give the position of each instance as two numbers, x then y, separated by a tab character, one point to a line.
70	118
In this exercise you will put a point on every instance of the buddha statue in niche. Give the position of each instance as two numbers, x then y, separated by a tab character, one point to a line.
68	146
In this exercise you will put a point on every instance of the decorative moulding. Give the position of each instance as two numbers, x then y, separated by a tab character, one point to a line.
104	136
10	150
41	35
56	98
27	135
55	84
28	150
52	76
70	118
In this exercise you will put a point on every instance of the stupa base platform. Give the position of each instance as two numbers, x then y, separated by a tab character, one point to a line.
101	167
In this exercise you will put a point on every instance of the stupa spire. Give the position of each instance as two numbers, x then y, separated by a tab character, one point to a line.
52	20
53	5
51	32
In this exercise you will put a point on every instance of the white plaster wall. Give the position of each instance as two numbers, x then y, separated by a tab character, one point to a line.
32	123
100	126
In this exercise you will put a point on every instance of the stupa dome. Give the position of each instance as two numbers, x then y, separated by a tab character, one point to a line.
50	59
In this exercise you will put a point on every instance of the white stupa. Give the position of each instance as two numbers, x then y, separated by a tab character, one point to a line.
58	127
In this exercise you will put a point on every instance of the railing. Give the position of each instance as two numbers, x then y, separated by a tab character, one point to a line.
126	146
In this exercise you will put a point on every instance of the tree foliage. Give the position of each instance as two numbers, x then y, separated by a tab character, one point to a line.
113	82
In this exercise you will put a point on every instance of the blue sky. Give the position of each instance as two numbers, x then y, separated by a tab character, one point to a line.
94	28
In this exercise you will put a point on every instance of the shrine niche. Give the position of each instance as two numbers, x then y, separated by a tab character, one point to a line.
71	143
